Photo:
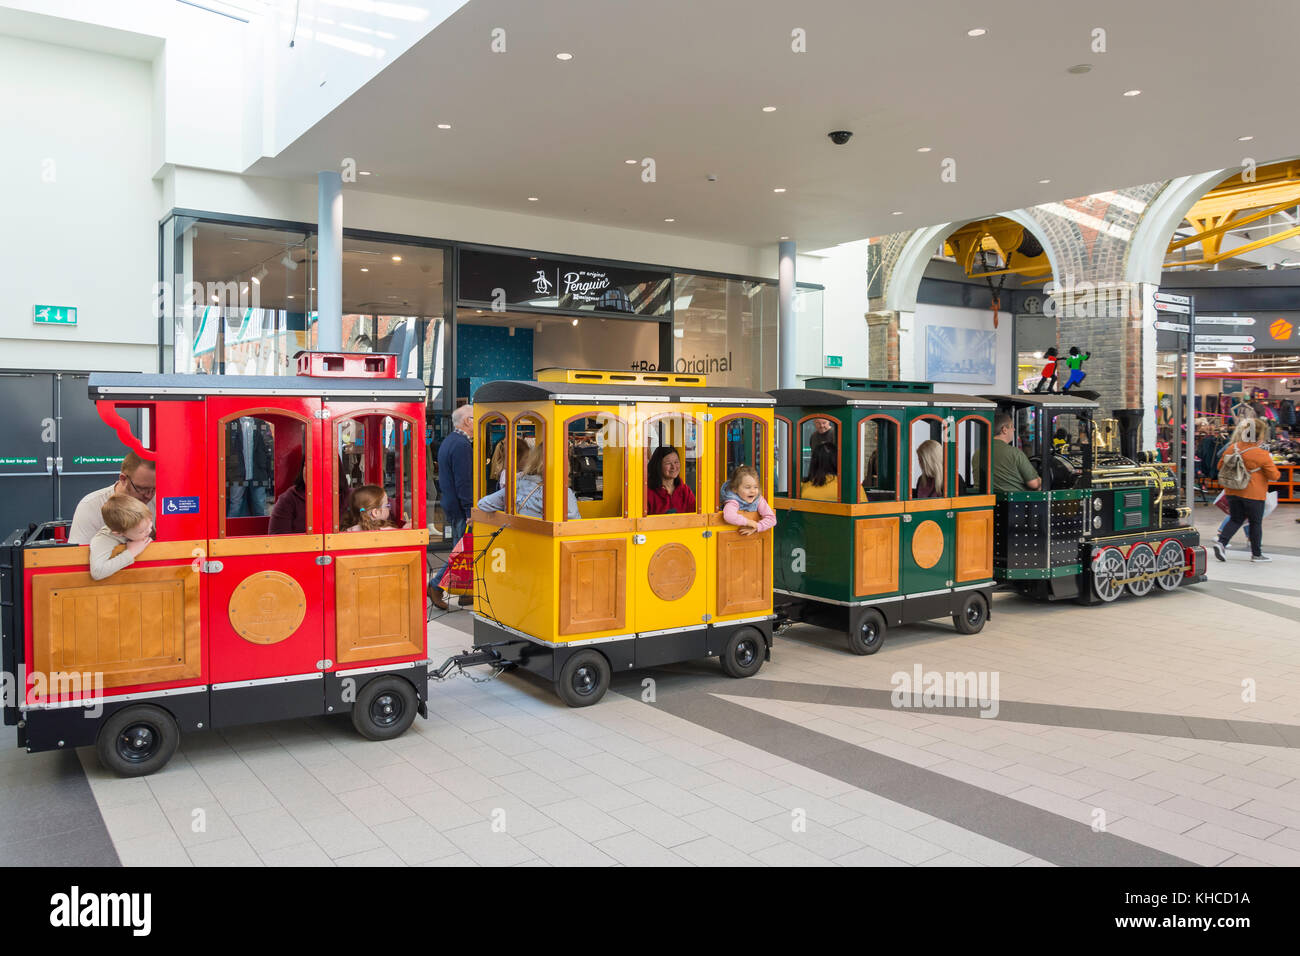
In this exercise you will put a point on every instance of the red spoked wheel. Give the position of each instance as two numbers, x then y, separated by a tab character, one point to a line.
1141	566
1109	570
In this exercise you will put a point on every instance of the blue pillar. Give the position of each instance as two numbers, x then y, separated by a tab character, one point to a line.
329	261
788	337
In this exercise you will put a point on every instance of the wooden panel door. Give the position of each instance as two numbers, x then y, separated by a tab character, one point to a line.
744	571
974	545
140	626
875	556
593	586
378	605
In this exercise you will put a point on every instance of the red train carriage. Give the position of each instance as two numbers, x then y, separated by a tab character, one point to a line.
255	602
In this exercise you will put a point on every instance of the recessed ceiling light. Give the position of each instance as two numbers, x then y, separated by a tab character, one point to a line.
291	297
1132	92
977	32
532	199
779	189
1043	182
564	56
923	149
364	269
896	212
630	162
444	126
365	172
479	311
1080	68
783	238
1244	139
769	109
397	258
575	322
670	220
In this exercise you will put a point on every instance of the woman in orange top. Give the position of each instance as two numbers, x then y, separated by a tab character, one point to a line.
1247	504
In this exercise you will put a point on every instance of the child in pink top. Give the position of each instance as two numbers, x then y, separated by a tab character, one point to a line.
741	499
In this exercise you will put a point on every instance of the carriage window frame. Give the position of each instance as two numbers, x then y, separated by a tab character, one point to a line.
308	462
720	441
334	519
986	451
781	467
911	453
627	447
538	420
898	456
647	453
483	463
839	452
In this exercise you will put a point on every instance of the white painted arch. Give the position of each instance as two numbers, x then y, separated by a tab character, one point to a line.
1150	242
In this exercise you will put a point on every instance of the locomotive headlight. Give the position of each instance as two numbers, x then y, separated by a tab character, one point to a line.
1096	504
1096	521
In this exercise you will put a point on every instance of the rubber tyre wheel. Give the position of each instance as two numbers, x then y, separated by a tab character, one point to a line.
583	679
870	635
972	614
385	708
743	654
138	740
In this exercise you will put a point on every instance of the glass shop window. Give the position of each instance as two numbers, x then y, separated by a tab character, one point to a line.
265	490
741	441
781	456
526	469
672	455
878	459
492	446
819	459
929	459
375	468
597	465
973	454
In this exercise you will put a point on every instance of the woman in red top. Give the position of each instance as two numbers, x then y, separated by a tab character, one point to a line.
666	493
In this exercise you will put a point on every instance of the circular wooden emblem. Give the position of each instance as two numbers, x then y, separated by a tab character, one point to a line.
671	571
927	544
267	607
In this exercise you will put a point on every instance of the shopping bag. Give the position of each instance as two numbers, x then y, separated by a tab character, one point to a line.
460	567
1221	502
1270	502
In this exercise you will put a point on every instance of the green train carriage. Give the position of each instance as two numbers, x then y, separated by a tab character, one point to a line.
910	557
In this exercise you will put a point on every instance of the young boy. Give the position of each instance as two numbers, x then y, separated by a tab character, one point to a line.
127	522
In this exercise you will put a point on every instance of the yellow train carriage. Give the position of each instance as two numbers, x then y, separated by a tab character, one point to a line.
584	565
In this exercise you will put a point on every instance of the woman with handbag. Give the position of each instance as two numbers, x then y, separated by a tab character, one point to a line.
1245	470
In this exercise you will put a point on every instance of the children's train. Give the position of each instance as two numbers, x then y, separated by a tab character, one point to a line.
629	525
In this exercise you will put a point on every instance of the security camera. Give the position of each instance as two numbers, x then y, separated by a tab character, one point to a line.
840	136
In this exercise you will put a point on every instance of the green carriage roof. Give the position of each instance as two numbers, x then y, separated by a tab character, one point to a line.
827	398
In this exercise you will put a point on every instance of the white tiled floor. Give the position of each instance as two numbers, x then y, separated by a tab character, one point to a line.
503	774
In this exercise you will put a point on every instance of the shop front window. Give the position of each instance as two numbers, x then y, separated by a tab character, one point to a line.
725	329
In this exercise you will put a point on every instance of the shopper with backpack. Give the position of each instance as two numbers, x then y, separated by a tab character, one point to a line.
1245	470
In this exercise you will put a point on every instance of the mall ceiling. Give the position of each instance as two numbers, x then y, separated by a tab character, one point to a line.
685	83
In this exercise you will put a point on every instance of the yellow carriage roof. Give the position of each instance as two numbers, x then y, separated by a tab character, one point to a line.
619	393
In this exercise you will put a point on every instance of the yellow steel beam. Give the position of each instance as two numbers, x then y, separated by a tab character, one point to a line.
1233	223
1231	253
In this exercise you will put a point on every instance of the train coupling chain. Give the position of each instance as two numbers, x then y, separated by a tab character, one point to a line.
457	664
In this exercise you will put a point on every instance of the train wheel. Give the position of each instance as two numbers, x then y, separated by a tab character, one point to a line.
138	740
970	618
1108	573
385	708
1169	565
870	634
583	679
743	655
1141	565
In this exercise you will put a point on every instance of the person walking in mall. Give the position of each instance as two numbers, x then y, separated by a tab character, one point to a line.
137	479
455	479
1246	504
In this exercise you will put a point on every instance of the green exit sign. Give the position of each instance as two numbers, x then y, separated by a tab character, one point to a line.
54	314
834	361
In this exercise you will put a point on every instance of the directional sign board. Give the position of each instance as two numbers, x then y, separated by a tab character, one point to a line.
1224	348
1238	339
1173	327
1224	320
1175	299
1173	307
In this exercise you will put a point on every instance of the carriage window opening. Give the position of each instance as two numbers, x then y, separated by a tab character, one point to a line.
373	462
929	459
972	453
672	455
526	466
398	470
781	454
597	463
264	470
492	446
819	459
878	460
741	441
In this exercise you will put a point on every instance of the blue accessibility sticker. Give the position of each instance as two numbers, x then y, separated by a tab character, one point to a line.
187	505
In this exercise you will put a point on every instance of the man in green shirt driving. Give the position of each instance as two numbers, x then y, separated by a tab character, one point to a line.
1011	469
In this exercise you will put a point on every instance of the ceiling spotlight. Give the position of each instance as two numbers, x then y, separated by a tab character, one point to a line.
290	297
1244	139
444	126
1043	182
397	258
564	56
923	149
1080	68
769	109
783	238
779	189
896	212
575	322
977	32
365	172
670	220
532	199
215	299
630	162
260	274
1132	92
364	269
287	261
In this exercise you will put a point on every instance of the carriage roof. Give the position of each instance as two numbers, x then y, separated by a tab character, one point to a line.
1056	403
125	386
598	393
810	397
